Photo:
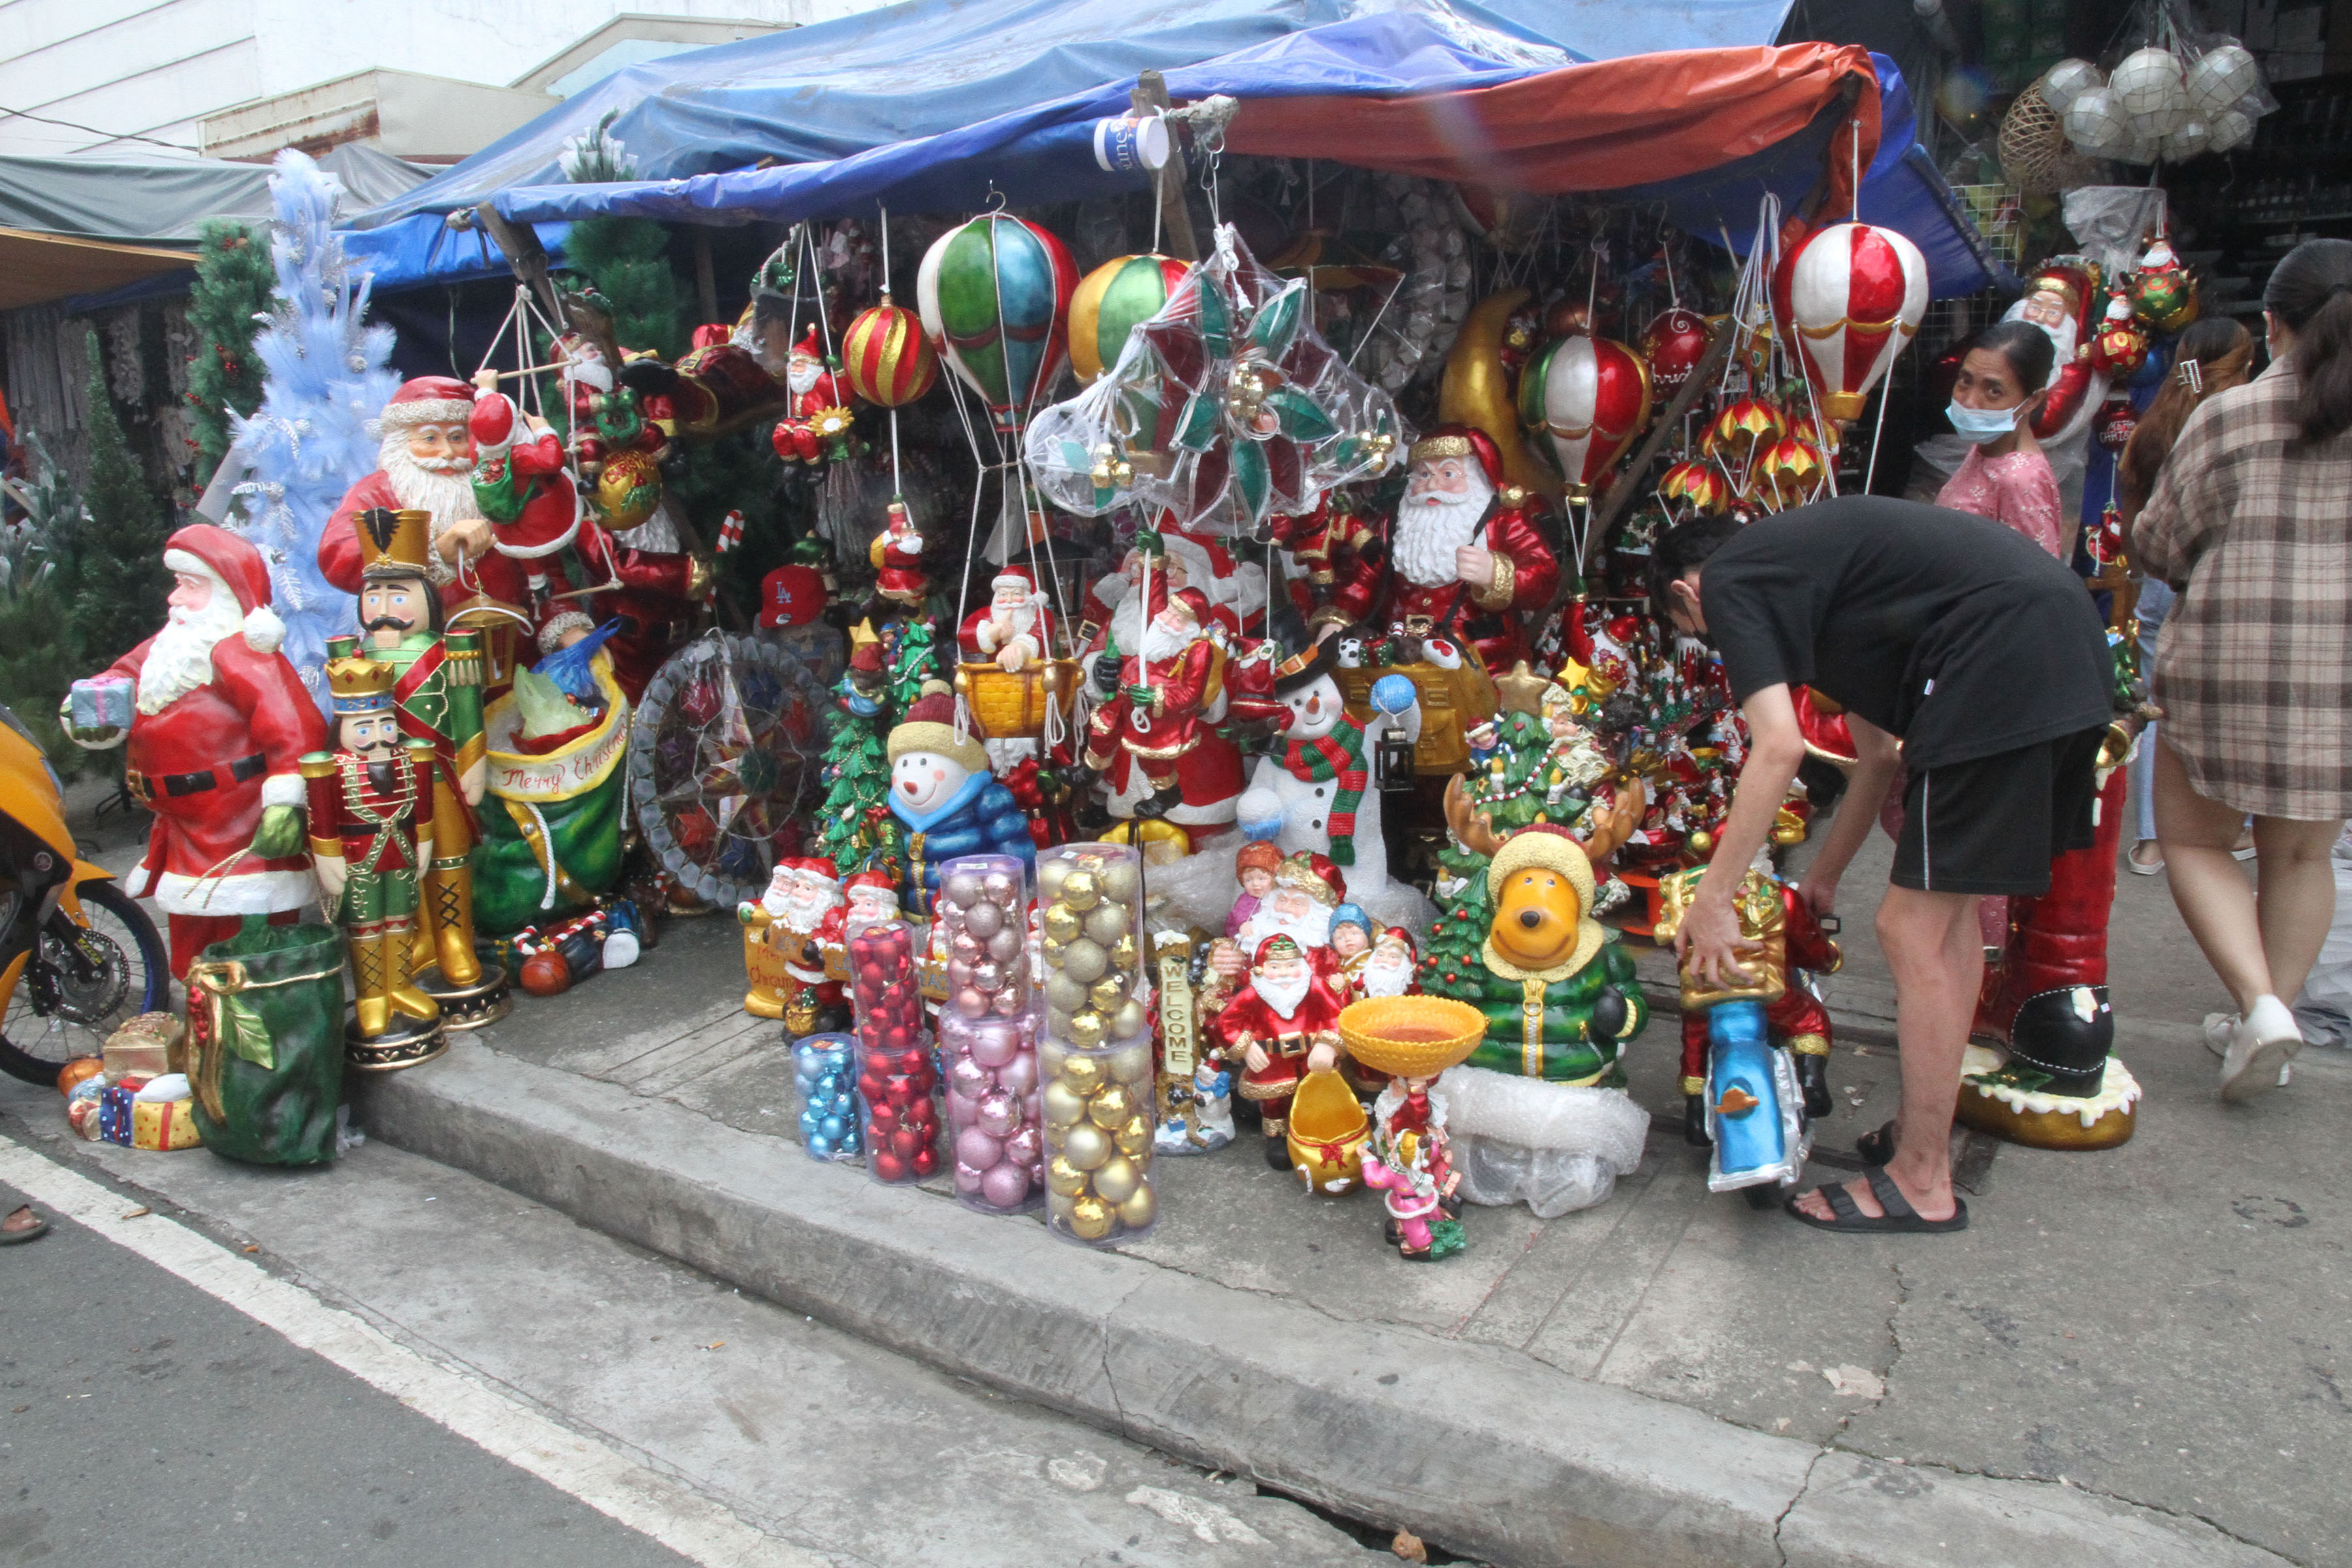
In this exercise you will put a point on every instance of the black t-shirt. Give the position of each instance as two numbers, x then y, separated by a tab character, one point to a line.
1953	632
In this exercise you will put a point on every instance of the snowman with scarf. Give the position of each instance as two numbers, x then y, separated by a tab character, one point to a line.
945	798
1319	795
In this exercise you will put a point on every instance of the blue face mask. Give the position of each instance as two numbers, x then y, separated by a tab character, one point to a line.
1982	424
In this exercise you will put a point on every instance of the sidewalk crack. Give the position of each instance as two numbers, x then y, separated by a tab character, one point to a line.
1803	1487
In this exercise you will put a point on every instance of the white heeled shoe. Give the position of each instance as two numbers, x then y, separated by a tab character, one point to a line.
2259	1048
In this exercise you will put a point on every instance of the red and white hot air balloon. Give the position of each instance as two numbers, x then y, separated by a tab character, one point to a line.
1585	398
1856	294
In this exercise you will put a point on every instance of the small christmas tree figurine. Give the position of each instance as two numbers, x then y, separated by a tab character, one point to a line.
1451	964
915	662
234	279
858	780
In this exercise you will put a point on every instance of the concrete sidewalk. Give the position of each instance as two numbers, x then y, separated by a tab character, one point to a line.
2132	1357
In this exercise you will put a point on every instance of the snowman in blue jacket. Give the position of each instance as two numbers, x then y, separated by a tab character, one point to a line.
946	800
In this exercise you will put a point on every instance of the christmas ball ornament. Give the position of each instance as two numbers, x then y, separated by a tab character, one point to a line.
1746	427
1140	1210
2067	80
961	889
1064	1178
1086	1146
1091	1219
886	360
994	296
1128	1021
1063	993
983	919
2221	78
1131	1064
1082	1075
1024	1148
1064	1105
1105	996
1105	924
1584	398
1673	343
1084	1030
1019	1075
1117	1180
2121	345
1000	887
2192	140
2229	130
977	1148
1005	1186
1856	295
1084	961
1081	891
628	489
1110	303
999	1116
968	1078
1118	881
1123	954
1694	487
1110	1108
1135	1137
2096	123
2116	421
2153	91
1062	924
2163	291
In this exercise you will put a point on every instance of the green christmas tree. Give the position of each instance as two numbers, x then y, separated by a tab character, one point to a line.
626	259
917	661
857	770
234	284
120	583
38	658
1451	964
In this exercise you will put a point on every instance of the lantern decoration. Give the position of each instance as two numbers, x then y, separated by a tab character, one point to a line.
2193	138
2221	78
1745	428
1584	397
2153	91
2229	130
1856	295
1789	473
2096	123
1243	407
1695	490
884	357
995	295
2067	80
2121	345
1673	343
1112	301
2163	291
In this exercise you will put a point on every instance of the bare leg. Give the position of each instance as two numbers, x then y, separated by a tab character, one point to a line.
2297	899
2214	898
1932	944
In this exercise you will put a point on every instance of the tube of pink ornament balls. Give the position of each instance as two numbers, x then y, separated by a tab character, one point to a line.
894	1073
988	1036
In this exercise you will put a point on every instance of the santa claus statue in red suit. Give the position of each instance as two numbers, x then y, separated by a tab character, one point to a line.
1392	968
1015	630
1307	888
800	916
1153	718
1462	556
820	413
896	556
220	723
1284	1024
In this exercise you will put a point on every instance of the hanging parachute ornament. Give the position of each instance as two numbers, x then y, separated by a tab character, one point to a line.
1225	408
885	356
1856	295
1584	397
1695	490
1789	473
995	296
1113	300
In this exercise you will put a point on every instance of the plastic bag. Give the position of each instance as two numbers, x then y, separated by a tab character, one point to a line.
1554	1146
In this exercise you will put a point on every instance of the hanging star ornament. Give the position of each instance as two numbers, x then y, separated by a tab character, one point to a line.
1225	408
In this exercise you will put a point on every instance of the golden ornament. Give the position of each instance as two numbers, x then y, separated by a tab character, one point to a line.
1086	1146
1140	1208
1084	1031
1063	1104
1091	1219
1082	1075
1135	1138
1065	1178
1108	994
1117	1180
1111	1107
1081	891
1062	923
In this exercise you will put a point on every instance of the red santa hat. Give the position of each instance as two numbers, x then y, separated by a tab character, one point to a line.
426	400
1195	603
929	726
234	568
1279	945
1460	441
1398	934
1018	577
880	881
819	866
808	347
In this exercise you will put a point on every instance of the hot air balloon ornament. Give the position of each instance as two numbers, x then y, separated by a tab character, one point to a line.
1224	407
994	296
1856	295
1584	398
1113	300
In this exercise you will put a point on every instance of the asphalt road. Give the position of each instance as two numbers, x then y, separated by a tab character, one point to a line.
142	1421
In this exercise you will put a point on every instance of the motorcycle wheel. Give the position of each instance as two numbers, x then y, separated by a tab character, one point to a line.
64	1005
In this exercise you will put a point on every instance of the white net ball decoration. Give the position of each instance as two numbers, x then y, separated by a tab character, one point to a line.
2231	127
2064	81
2220	78
2095	121
2193	139
2154	92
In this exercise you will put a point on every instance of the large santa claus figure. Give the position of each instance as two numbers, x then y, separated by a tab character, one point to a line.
1208	773
1156	716
220	724
1462	556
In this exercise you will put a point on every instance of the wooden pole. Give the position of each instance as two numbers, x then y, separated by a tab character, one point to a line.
705	279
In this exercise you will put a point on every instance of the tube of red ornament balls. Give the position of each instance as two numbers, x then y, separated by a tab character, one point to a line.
898	1121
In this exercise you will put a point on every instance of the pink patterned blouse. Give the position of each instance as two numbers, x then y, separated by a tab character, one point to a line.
2016	490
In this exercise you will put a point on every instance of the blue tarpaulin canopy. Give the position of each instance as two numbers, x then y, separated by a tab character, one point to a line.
942	105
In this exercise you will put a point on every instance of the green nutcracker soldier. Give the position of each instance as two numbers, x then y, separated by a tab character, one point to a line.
438	692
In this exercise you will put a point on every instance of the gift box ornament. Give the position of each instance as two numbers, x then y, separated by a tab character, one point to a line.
101	704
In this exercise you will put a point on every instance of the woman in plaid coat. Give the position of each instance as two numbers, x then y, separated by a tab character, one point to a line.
2254	672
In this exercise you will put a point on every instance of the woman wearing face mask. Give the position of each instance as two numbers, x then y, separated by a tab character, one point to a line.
2005	478
2254	670
2214	354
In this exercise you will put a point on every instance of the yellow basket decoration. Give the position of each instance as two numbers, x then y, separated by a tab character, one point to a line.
1011	705
1410	1037
1328	1132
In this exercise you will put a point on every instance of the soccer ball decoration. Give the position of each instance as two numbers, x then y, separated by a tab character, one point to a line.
2095	121
2221	78
2153	89
2067	80
1857	294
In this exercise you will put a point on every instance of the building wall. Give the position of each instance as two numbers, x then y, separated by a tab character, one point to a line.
141	69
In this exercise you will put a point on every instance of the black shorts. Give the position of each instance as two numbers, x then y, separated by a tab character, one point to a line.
1990	825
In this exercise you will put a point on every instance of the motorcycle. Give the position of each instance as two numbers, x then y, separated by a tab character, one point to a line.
77	955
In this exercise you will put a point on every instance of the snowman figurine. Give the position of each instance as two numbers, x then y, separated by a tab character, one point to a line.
946	801
1319	793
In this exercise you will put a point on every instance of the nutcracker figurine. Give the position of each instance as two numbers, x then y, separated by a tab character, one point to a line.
437	690
371	818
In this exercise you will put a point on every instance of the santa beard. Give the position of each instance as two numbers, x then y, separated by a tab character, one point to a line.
800	377
1428	534
804	911
1020	621
1311	930
1159	643
1283	998
1392	978
180	659
446	493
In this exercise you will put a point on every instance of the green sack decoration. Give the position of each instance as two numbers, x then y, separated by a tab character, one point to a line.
266	1043
568	799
